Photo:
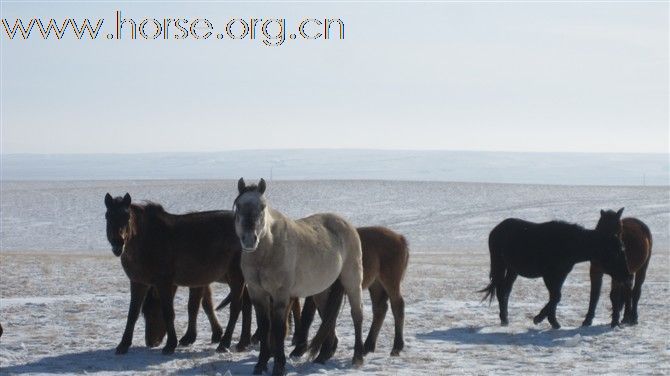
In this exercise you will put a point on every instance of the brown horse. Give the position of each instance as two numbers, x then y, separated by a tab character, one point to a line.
637	241
385	258
163	250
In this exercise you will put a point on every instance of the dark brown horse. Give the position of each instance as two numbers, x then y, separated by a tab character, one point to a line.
163	250
637	242
548	250
385	258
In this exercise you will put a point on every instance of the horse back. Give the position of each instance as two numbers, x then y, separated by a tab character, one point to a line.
195	248
532	249
637	239
385	252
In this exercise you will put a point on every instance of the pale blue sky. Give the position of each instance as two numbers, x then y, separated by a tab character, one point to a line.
486	76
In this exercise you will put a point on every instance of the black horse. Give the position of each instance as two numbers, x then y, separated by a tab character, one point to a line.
548	250
160	250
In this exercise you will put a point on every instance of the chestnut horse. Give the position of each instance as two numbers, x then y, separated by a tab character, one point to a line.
637	242
163	250
385	258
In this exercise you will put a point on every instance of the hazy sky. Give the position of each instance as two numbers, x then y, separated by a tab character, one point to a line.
485	76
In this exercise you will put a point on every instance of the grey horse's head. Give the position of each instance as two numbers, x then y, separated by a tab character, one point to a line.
250	214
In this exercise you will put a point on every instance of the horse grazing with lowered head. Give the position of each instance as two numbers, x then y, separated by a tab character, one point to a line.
284	258
163	250
548	250
637	241
385	258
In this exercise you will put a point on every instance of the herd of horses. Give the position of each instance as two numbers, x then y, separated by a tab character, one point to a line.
270	261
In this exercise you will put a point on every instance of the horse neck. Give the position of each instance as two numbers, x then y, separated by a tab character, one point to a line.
586	245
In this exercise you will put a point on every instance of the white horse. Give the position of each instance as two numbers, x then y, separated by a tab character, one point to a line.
284	259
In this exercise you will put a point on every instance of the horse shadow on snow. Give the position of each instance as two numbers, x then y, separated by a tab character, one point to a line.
104	360
473	335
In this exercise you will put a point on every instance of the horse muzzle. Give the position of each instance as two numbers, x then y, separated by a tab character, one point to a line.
117	250
249	242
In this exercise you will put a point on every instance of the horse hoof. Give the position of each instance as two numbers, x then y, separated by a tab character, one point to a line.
259	369
556	326
222	349
121	349
537	320
254	340
357	362
168	350
278	370
186	340
299	351
320	360
367	348
587	322
615	325
241	347
395	352
216	336
505	322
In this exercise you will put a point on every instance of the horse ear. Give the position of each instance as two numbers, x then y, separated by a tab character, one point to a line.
602	212
108	200
126	200
241	186
261	186
618	214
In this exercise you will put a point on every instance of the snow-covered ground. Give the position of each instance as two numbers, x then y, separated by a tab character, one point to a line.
63	296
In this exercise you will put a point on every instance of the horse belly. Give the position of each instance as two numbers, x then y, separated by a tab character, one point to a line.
312	281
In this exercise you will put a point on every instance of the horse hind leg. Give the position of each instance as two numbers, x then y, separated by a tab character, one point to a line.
351	279
302	331
398	308
208	307
502	293
637	292
379	308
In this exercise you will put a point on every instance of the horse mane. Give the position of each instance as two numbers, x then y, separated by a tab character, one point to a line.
140	213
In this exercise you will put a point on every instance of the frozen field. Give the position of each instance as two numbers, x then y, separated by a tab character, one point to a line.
64	297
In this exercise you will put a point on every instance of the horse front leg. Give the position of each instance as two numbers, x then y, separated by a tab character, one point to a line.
208	307
596	276
278	326
236	288
195	295
554	284
263	322
245	337
138	292
616	296
167	305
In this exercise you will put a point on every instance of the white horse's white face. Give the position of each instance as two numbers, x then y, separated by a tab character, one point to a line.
250	215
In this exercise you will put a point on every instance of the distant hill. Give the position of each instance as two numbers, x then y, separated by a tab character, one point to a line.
459	166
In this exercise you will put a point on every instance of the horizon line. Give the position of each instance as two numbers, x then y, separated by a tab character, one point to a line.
2	154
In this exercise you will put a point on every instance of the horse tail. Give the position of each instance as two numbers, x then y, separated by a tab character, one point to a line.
404	247
498	269
647	232
329	318
225	301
